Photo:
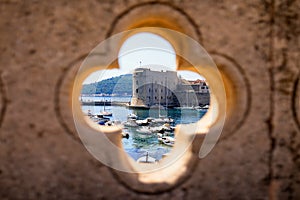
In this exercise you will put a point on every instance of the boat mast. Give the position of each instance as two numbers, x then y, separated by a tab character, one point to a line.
152	102
166	96
159	102
104	106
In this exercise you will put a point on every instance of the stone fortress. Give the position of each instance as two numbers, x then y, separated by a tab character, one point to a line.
154	88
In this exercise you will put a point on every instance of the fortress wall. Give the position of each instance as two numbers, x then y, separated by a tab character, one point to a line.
254	43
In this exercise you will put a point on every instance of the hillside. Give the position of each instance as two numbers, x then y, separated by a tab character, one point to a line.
116	85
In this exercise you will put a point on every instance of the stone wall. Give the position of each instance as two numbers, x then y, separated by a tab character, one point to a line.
254	43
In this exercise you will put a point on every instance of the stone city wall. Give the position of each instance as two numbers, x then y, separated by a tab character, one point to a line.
255	45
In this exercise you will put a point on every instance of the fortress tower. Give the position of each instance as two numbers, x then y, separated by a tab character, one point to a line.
151	88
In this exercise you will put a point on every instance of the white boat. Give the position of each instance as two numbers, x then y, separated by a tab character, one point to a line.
168	143
158	120
167	140
162	128
160	135
163	138
95	118
185	108
113	123
130	123
145	130
163	119
132	116
146	159
205	107
105	113
168	120
144	122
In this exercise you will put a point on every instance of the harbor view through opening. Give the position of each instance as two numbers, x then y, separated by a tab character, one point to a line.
147	97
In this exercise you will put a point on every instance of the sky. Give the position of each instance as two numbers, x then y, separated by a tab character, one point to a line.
143	50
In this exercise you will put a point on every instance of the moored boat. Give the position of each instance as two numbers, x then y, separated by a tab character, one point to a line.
130	123
167	140
132	116
145	130
106	113
168	143
144	122
146	159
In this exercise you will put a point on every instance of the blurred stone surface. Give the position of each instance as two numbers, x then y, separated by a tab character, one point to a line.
43	42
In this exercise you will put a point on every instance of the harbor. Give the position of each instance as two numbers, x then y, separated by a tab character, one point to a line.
147	104
147	133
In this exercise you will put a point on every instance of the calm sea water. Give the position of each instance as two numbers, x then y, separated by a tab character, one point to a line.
137	145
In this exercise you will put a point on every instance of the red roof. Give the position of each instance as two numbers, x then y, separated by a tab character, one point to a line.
198	81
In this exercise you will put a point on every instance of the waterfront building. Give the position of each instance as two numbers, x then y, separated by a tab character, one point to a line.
155	88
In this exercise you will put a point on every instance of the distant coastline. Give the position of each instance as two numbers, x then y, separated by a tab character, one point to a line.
115	86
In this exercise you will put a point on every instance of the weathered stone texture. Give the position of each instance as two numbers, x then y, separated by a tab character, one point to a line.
42	43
